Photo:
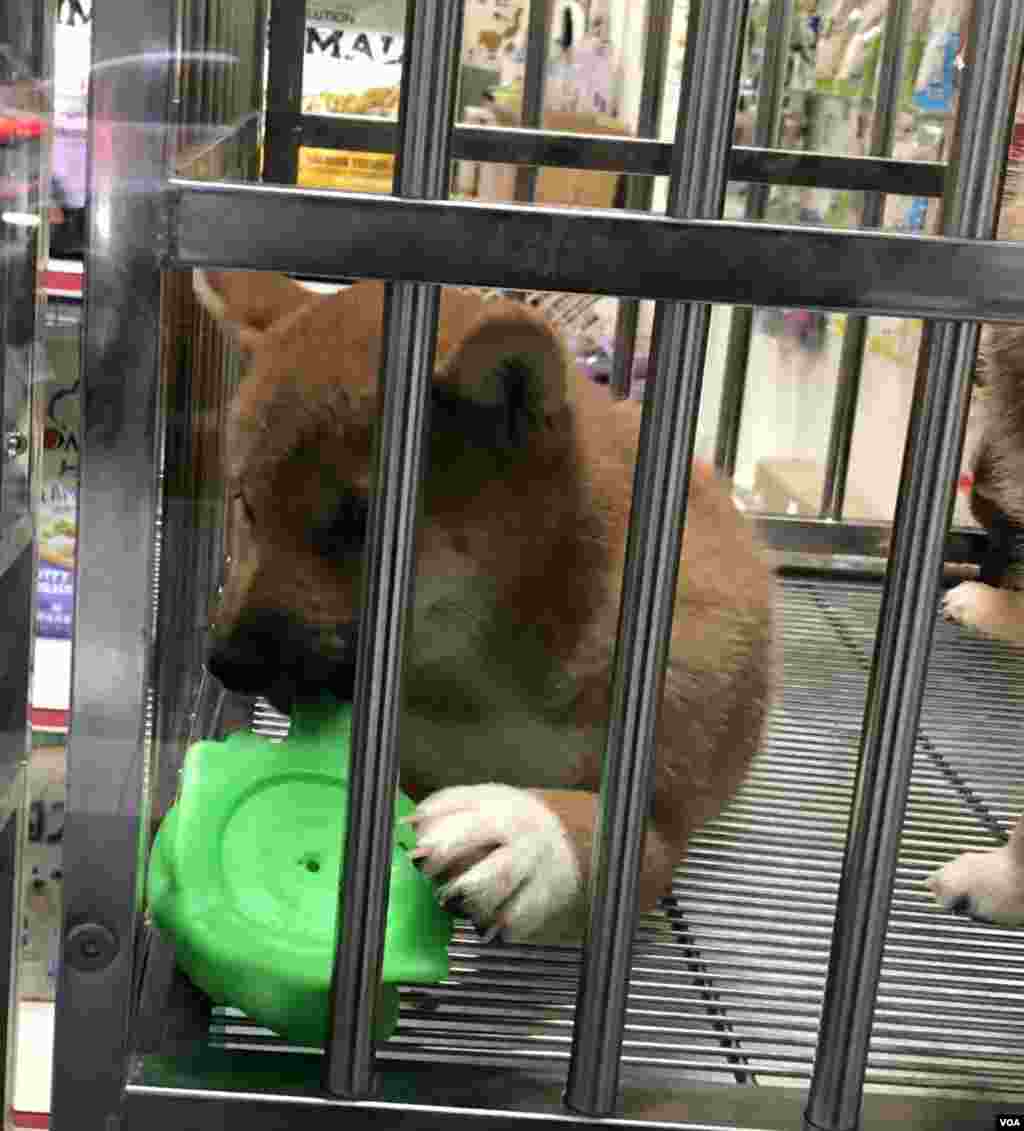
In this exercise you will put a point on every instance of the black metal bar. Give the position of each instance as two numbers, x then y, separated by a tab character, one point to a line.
825	170
12	832
640	192
432	37
907	618
286	46
17	579
766	131
538	37
118	502
851	360
349	235
214	92
260	79
634	155
668	430
818	536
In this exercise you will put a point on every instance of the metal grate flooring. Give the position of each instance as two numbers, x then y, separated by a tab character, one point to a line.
727	980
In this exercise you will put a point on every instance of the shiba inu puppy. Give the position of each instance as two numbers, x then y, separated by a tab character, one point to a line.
521	541
990	885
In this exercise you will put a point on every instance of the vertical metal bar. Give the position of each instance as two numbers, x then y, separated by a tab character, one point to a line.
260	71
194	372
287	41
741	325
907	618
433	35
851	361
538	36
117	508
13	832
213	72
191	32
697	189
26	30
640	190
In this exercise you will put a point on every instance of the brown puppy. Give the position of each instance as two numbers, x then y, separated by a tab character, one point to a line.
520	554
990	885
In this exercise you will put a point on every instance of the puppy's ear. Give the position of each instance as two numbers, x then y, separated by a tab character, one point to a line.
248	302
507	378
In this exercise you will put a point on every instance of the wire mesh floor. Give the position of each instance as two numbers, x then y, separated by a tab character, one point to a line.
727	980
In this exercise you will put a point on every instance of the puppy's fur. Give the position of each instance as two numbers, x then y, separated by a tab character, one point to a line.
519	564
990	885
998	491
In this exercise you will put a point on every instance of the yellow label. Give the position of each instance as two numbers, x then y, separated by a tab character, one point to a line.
346	169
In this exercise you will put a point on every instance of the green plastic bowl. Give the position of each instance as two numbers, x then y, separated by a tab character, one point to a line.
245	871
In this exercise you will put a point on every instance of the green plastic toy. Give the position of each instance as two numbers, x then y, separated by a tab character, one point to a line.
244	876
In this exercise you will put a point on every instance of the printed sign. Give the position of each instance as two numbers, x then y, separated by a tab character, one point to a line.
352	65
58	496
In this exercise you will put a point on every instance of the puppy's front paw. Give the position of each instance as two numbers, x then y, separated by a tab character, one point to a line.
985	885
998	613
504	857
969	604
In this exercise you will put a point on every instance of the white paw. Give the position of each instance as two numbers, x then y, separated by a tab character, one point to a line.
984	885
507	859
994	612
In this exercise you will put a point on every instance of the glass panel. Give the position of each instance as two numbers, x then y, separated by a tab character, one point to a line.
307	94
26	205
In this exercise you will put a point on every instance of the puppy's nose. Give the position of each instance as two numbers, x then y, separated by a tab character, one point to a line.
251	655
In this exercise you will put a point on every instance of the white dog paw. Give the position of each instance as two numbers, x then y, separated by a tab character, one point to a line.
995	612
506	859
970	604
985	885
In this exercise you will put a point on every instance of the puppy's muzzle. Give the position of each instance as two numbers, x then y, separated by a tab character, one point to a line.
268	649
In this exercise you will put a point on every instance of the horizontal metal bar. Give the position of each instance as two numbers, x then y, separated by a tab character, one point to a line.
856	539
641	156
339	235
225	1092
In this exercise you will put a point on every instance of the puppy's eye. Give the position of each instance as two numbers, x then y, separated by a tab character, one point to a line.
344	529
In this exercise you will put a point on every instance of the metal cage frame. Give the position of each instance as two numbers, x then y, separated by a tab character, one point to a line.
143	222
24	32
